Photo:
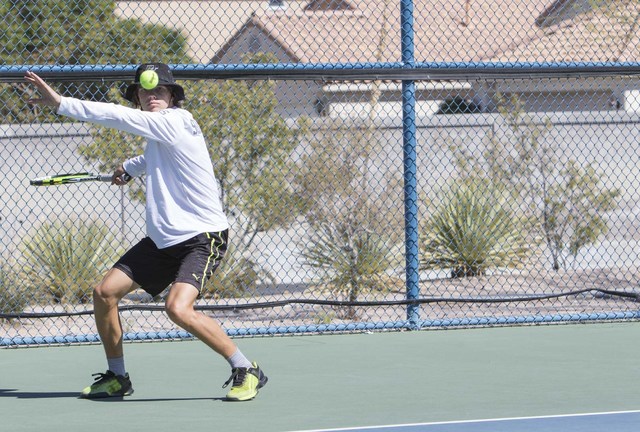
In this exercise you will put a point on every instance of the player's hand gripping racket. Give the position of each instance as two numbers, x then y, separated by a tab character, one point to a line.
60	179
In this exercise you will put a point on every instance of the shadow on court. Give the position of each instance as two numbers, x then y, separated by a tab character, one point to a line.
15	393
168	399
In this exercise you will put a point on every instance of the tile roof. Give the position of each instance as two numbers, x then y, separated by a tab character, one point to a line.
607	34
445	30
327	31
457	30
206	24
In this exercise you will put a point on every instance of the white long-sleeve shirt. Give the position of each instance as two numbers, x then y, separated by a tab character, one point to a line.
181	190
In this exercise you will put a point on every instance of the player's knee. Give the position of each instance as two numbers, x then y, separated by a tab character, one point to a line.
103	294
177	312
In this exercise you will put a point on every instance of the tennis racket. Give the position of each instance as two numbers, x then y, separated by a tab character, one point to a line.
60	179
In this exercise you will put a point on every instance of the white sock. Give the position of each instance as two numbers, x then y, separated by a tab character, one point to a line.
238	360
116	365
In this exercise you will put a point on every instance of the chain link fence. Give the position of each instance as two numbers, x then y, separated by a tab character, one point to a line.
384	164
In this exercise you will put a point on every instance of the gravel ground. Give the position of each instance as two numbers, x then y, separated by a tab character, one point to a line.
451	303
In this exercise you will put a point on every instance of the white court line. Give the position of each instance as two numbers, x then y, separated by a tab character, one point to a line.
471	421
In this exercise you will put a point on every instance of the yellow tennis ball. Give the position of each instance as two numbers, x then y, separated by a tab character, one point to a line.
149	79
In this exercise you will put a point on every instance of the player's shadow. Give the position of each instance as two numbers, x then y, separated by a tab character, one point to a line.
15	393
164	399
129	399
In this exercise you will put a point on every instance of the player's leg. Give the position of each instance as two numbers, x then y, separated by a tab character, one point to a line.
246	376
106	296
179	307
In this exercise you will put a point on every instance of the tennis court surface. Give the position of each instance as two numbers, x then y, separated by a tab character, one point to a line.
536	378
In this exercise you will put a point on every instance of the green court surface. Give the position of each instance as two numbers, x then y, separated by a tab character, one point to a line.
334	381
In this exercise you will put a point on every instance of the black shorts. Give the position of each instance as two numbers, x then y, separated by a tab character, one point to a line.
193	261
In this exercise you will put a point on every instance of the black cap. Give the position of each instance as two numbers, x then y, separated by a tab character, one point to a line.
165	78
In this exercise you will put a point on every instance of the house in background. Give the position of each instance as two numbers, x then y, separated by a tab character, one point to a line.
207	25
348	31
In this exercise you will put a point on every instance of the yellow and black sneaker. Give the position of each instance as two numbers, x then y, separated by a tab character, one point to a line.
246	383
108	385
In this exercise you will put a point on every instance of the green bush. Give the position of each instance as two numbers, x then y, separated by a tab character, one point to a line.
350	260
69	258
473	229
13	296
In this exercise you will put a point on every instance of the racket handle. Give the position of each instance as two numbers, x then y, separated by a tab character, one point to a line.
107	178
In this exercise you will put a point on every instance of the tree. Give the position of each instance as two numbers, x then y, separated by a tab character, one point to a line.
251	145
354	216
351	212
564	202
77	32
574	211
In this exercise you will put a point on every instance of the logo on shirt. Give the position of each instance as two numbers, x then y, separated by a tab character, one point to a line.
195	129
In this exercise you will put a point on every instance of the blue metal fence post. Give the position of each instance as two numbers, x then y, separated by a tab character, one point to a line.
409	160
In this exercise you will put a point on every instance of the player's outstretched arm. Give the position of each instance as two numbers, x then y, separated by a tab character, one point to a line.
48	96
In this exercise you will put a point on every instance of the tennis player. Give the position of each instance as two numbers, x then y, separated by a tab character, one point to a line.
186	226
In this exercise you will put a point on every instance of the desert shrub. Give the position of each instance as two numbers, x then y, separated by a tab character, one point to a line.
13	294
474	228
350	260
69	258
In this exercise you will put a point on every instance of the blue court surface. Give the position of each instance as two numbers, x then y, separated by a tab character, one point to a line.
623	421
